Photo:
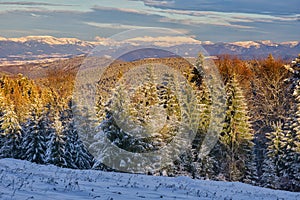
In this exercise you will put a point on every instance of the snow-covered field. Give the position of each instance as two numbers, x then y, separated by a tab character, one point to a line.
25	180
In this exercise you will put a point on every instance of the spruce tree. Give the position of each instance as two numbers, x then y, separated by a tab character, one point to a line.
11	134
146	108
86	124
205	167
291	157
191	109
56	144
2	103
273	164
76	154
37	129
236	137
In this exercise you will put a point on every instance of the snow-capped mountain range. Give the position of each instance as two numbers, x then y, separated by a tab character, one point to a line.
48	48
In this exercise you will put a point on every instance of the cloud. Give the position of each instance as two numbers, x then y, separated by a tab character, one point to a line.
232	15
109	20
277	7
164	41
129	27
205	22
188	18
116	25
159	2
28	3
234	20
125	10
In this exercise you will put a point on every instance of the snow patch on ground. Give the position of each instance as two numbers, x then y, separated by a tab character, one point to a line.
25	180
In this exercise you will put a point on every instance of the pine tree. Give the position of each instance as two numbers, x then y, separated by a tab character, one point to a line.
236	136
76	154
273	164
205	108
119	134
291	157
168	97
2	102
86	124
146	107
11	134
37	128
83	159
204	165
56	144
168	101
2	105
191	109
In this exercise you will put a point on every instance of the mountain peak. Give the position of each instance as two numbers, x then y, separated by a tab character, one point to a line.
46	39
246	44
290	43
49	47
3	39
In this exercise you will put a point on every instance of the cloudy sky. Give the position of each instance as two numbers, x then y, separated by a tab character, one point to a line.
213	20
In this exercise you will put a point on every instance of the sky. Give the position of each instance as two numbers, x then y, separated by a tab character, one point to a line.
205	20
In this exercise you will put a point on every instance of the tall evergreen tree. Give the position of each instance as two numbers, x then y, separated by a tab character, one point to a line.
76	153
37	129
291	157
2	103
86	123
236	136
119	133
273	164
56	144
191	107
11	134
146	105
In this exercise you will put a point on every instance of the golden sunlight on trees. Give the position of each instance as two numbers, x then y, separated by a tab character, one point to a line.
259	143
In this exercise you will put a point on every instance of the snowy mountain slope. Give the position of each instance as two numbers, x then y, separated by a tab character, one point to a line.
25	180
47	40
32	48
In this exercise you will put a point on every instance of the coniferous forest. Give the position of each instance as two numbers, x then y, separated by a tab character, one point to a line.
259	143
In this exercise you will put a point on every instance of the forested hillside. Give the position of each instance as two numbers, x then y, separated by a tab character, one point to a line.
259	143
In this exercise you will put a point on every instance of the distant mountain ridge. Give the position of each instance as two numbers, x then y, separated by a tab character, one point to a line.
49	48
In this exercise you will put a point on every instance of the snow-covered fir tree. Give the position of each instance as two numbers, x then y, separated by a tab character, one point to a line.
56	144
205	167
119	132
128	121
191	109
273	164
2	102
76	153
86	123
11	132
289	177
291	157
236	137
2	106
169	97
146	104
36	131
